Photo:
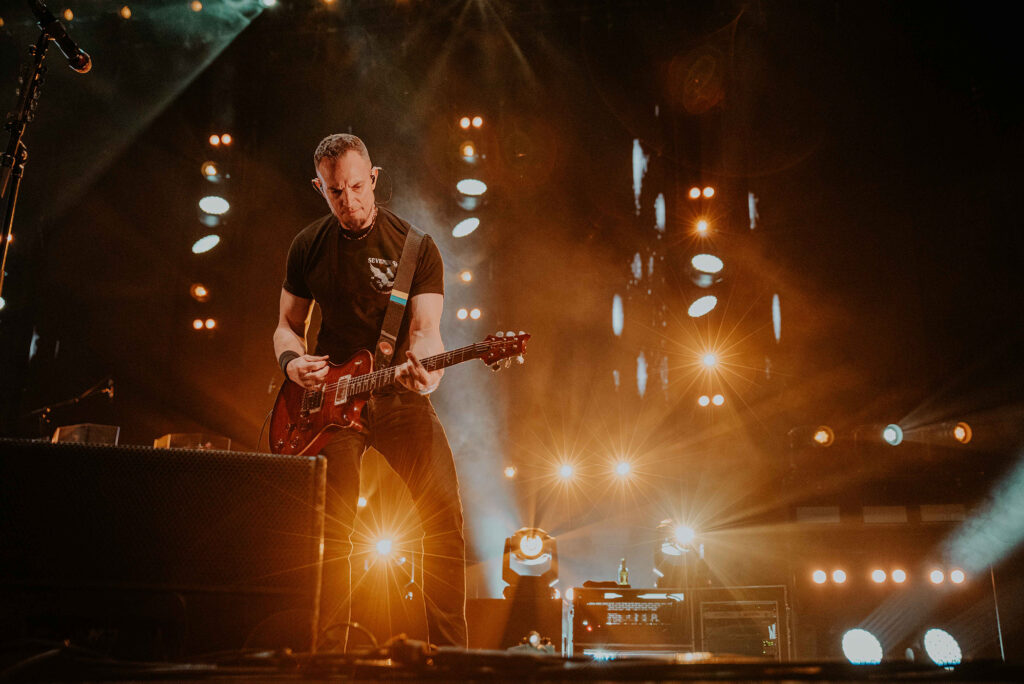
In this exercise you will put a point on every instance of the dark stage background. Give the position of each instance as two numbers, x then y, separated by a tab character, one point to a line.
882	141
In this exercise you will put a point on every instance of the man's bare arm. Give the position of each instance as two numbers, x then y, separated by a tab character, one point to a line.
290	335
424	340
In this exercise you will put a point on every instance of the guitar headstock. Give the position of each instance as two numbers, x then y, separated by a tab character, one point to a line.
503	346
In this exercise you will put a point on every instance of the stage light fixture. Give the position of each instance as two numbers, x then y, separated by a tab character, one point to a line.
718	400
361	502
478	121
205	244
824	436
709	192
566	471
709	360
68	15
703	226
530	563
226	139
937	576
776	318
957	576
465	122
210	171
899	576
695	193
707	263
210	323
473	187
678	559
197	324
125	12
861	647
475	313
468	151
942	647
383	546
839	576
892	434
878	576
462	314
214	140
819	577
962	432
704	400
618	315
466	276
465	227
510	471
196	6
214	205
702	306
623	468
199	292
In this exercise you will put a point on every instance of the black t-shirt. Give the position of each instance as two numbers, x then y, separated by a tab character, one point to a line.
352	280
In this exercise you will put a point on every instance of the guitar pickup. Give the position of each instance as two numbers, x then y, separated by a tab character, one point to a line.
312	401
341	394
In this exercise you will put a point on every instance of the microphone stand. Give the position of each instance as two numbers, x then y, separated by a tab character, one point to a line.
12	162
43	413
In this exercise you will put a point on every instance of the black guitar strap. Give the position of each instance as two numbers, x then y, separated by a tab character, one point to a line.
399	298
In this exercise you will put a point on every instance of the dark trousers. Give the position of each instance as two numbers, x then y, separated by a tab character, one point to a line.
405	430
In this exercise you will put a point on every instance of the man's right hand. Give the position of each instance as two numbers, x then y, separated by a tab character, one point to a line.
308	371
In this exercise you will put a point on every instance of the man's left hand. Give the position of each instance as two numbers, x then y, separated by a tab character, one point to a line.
415	377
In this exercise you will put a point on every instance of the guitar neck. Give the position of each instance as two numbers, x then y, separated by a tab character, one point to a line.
386	376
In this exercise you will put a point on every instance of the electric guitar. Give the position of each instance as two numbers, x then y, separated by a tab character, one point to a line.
305	419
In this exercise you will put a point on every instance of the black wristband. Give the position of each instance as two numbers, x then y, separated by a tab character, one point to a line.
286	357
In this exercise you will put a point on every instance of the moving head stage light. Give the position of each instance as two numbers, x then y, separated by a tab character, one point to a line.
530	563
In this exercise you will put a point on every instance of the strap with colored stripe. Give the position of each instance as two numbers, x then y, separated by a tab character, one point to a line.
399	298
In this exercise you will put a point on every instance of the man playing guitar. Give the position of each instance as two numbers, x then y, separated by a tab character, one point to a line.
347	261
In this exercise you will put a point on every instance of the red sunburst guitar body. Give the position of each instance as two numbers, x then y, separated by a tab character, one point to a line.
305	419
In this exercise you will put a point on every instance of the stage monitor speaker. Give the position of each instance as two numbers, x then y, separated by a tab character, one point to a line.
159	553
746	621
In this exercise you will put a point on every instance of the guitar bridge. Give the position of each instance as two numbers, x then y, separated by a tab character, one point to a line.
341	394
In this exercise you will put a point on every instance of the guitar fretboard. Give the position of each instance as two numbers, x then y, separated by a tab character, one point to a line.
386	376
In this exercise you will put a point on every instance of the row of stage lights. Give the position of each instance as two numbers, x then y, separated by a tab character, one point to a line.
213	210
892	434
705	268
861	647
896	576
125	11
470	196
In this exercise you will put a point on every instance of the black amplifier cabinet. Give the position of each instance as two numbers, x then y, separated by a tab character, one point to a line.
606	622
158	553
748	621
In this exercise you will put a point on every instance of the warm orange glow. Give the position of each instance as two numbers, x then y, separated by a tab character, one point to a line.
899	576
704	400
709	360
478	121
962	432
126	12
475	314
510	471
462	314
199	292
215	140
466	276
694	193
226	138
209	169
361	503
464	122
718	400
211	323
702	226
468	150
68	15
709	192
196	6
197	324
824	436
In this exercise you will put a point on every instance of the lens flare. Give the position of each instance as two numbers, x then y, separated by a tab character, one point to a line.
622	468
566	471
684	535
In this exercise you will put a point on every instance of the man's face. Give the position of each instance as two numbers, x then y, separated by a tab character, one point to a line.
346	183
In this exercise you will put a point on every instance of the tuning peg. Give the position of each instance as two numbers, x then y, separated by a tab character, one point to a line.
522	332
520	360
499	334
510	333
508	362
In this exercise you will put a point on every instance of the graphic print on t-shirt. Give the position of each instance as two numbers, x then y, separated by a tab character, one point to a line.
382	274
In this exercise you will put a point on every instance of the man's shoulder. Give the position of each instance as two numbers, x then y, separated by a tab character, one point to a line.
396	222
